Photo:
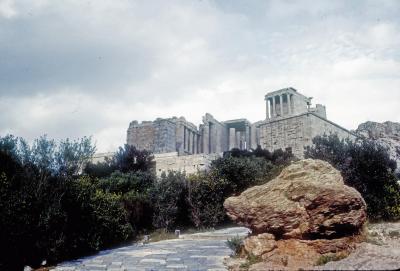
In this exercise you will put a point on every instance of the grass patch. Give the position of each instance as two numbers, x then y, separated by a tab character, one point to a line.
251	259
394	234
235	244
330	258
156	236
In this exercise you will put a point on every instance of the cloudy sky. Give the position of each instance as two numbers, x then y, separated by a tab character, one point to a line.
71	68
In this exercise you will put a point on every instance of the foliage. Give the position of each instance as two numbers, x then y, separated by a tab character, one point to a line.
160	235
240	172
98	170
131	159
324	259
168	198
235	244
366	166
134	188
236	171
46	212
120	182
206	195
253	259
68	157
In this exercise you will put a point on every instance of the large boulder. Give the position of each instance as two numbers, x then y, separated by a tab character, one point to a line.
308	200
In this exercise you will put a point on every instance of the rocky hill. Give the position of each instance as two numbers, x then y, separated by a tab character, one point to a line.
386	133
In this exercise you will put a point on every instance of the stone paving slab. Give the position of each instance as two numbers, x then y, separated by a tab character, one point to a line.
195	252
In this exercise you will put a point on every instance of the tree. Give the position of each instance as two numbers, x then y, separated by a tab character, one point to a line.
68	157
241	172
206	195
131	159
168	198
366	166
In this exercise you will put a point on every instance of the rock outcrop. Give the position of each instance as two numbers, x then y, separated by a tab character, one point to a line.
305	212
307	200
386	133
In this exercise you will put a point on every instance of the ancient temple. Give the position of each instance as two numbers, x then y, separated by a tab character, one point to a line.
290	123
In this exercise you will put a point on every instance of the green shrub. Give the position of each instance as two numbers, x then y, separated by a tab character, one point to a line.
235	244
168	199
119	182
366	166
52	215
324	259
241	172
130	159
205	197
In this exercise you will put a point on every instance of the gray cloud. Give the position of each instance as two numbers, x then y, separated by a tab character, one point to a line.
77	68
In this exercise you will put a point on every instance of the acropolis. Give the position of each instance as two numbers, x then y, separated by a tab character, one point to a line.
290	124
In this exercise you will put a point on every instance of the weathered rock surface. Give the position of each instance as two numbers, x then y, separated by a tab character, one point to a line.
260	244
386	133
308	200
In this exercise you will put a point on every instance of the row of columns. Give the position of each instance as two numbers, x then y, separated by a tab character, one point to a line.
191	141
273	105
236	137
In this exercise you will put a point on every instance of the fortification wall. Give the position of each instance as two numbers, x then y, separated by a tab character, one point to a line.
141	136
297	132
164	136
186	163
285	133
321	126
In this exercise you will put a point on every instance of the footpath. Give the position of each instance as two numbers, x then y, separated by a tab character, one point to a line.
204	251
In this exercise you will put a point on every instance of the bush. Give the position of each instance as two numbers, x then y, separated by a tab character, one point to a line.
98	170
205	197
236	171
235	244
130	159
134	188
241	172
168	199
366	166
46	212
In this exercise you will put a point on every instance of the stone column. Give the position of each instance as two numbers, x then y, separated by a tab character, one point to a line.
247	138
237	139
232	139
273	107
206	138
253	135
184	138
281	104
194	143
190	141
211	139
267	108
198	143
289	103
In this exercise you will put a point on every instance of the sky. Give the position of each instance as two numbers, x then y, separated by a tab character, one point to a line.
74	68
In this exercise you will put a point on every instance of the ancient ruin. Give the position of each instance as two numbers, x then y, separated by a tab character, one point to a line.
290	124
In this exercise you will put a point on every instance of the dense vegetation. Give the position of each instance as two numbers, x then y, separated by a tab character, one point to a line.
54	205
48	211
366	166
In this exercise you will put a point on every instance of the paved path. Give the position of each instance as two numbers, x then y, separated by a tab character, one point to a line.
201	251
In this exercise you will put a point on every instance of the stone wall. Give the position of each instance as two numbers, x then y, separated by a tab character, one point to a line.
164	136
186	163
141	135
297	132
321	126
285	133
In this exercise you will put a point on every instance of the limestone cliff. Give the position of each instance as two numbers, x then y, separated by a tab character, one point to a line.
386	133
